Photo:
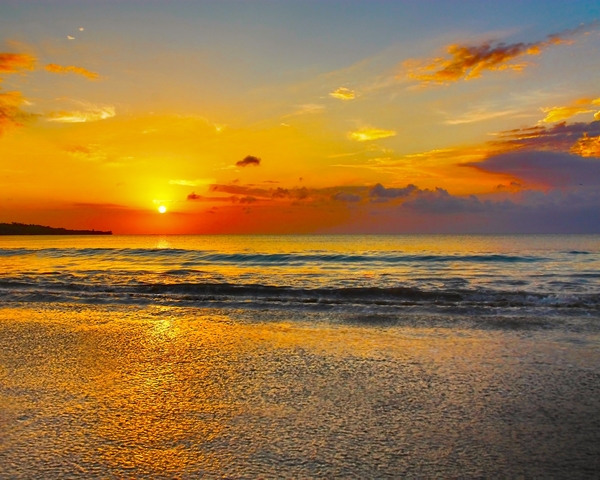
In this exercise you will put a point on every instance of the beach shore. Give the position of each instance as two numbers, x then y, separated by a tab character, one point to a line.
165	392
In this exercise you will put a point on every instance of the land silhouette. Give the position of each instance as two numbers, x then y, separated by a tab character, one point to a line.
23	229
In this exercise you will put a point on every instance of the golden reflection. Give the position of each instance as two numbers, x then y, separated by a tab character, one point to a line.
127	392
163	242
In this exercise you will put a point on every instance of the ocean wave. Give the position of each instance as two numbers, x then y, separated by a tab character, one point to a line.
196	257
267	296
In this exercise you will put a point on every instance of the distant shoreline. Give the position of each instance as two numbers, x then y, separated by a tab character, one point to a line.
23	229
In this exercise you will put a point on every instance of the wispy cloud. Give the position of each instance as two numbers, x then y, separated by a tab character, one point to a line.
306	109
11	114
15	62
193	183
343	93
62	70
478	115
91	152
92	113
582	105
468	62
368	133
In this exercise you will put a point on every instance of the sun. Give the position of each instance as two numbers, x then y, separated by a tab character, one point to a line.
162	209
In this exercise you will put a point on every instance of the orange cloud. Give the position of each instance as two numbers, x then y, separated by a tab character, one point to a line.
15	62
11	114
583	105
54	68
561	137
468	62
587	146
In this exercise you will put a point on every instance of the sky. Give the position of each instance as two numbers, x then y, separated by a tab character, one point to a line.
301	116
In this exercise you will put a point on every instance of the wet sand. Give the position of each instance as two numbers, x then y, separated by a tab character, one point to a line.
130	392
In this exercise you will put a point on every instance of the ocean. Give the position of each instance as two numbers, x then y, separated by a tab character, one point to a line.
333	356
496	275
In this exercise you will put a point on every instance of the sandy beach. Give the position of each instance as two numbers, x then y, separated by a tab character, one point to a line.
157	392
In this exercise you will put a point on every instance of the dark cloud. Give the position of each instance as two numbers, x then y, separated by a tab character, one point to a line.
280	193
199	198
241	190
346	197
439	201
551	169
249	161
291	194
561	137
565	206
378	191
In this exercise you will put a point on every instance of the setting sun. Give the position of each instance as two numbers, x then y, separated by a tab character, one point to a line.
162	209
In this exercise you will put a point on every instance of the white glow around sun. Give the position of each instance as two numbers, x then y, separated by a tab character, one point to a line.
162	209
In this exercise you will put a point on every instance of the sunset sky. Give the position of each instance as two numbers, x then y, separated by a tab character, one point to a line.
301	116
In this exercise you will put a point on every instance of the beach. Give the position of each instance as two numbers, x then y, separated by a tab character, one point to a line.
300	356
167	392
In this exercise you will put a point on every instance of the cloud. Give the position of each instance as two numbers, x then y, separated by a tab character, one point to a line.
11	114
439	201
343	93
380	192
54	68
307	108
560	137
87	152
550	169
15	62
469	62
92	113
587	146
346	197
249	160
279	194
200	198
366	134
192	183
583	105
478	115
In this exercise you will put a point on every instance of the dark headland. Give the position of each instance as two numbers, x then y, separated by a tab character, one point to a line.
23	229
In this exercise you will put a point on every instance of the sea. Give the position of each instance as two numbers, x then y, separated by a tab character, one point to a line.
459	275
310	356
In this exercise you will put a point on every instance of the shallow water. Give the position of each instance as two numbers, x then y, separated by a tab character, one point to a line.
164	392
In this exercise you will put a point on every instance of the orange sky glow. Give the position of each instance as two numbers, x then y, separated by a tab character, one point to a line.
289	118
